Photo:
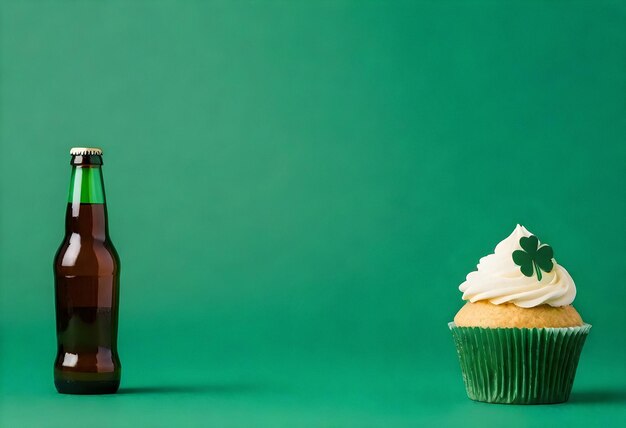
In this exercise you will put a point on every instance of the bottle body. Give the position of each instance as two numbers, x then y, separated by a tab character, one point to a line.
86	274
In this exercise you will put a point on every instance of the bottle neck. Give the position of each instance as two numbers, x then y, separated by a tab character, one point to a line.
86	185
86	209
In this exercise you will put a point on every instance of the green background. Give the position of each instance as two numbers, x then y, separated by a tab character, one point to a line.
296	189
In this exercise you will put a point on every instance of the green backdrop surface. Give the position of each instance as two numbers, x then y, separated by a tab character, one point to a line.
296	190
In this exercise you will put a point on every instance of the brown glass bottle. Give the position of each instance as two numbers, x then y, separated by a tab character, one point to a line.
86	273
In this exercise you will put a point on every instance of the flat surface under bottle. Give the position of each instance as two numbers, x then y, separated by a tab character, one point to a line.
185	376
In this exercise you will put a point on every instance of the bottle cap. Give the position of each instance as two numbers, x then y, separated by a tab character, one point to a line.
85	151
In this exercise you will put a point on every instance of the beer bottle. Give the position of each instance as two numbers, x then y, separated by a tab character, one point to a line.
86	274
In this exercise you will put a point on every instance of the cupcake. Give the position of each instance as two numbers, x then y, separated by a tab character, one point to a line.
518	337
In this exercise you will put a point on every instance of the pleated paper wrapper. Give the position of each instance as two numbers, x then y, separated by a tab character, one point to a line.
519	365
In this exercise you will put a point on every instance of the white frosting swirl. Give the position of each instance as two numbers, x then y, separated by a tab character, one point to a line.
499	280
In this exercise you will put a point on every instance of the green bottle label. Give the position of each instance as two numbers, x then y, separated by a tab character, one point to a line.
86	185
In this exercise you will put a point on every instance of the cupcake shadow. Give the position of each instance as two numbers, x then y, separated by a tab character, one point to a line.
599	396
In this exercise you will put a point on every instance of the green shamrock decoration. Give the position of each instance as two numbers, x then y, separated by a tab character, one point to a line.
533	257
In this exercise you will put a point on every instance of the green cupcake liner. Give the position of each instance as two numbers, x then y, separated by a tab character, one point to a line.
519	365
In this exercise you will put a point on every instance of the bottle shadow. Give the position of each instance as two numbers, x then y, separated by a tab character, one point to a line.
234	388
599	396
